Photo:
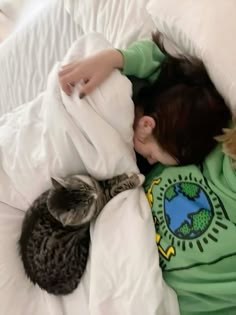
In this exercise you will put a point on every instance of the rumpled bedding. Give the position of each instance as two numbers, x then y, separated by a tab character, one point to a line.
58	135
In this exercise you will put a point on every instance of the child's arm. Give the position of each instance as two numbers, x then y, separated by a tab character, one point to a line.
91	70
141	59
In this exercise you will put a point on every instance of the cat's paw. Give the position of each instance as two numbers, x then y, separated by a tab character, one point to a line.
138	179
141	179
130	174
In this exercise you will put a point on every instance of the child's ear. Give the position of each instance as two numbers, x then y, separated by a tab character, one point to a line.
148	124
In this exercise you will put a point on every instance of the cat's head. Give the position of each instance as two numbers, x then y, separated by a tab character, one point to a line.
72	200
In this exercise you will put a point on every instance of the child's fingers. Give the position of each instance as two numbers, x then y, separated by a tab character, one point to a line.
88	87
68	65
72	77
61	73
66	88
66	82
66	69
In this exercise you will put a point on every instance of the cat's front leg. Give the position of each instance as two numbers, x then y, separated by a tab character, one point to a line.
117	179
130	181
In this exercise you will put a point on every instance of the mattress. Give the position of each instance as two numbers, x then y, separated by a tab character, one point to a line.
28	55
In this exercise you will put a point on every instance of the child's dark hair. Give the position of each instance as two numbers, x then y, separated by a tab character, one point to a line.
188	110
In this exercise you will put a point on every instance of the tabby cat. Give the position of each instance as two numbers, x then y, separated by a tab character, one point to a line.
54	241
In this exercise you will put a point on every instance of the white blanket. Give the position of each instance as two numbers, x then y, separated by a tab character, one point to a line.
60	135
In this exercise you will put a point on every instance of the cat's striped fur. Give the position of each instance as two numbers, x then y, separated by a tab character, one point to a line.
54	242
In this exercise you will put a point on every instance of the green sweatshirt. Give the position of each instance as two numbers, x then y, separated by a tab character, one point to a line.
194	211
142	59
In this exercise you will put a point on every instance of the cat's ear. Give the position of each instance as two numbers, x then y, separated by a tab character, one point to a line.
58	183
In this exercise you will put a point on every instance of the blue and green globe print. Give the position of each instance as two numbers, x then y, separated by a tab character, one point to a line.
188	211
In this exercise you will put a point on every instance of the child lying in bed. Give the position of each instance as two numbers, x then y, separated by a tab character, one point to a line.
193	206
181	89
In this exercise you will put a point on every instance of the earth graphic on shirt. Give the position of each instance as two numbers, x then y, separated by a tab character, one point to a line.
187	209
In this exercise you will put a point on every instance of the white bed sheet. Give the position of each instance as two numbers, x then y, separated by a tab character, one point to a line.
27	56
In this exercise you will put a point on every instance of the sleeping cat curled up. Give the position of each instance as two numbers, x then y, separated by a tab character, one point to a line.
54	241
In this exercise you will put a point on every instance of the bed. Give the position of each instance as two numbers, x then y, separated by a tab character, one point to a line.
106	288
29	59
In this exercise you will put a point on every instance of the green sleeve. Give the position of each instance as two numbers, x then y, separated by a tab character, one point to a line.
142	59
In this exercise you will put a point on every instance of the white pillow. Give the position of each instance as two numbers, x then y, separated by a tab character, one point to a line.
206	29
120	21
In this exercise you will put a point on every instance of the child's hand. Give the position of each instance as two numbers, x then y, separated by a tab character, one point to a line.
91	71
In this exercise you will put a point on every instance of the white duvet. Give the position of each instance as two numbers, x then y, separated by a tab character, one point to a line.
59	135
